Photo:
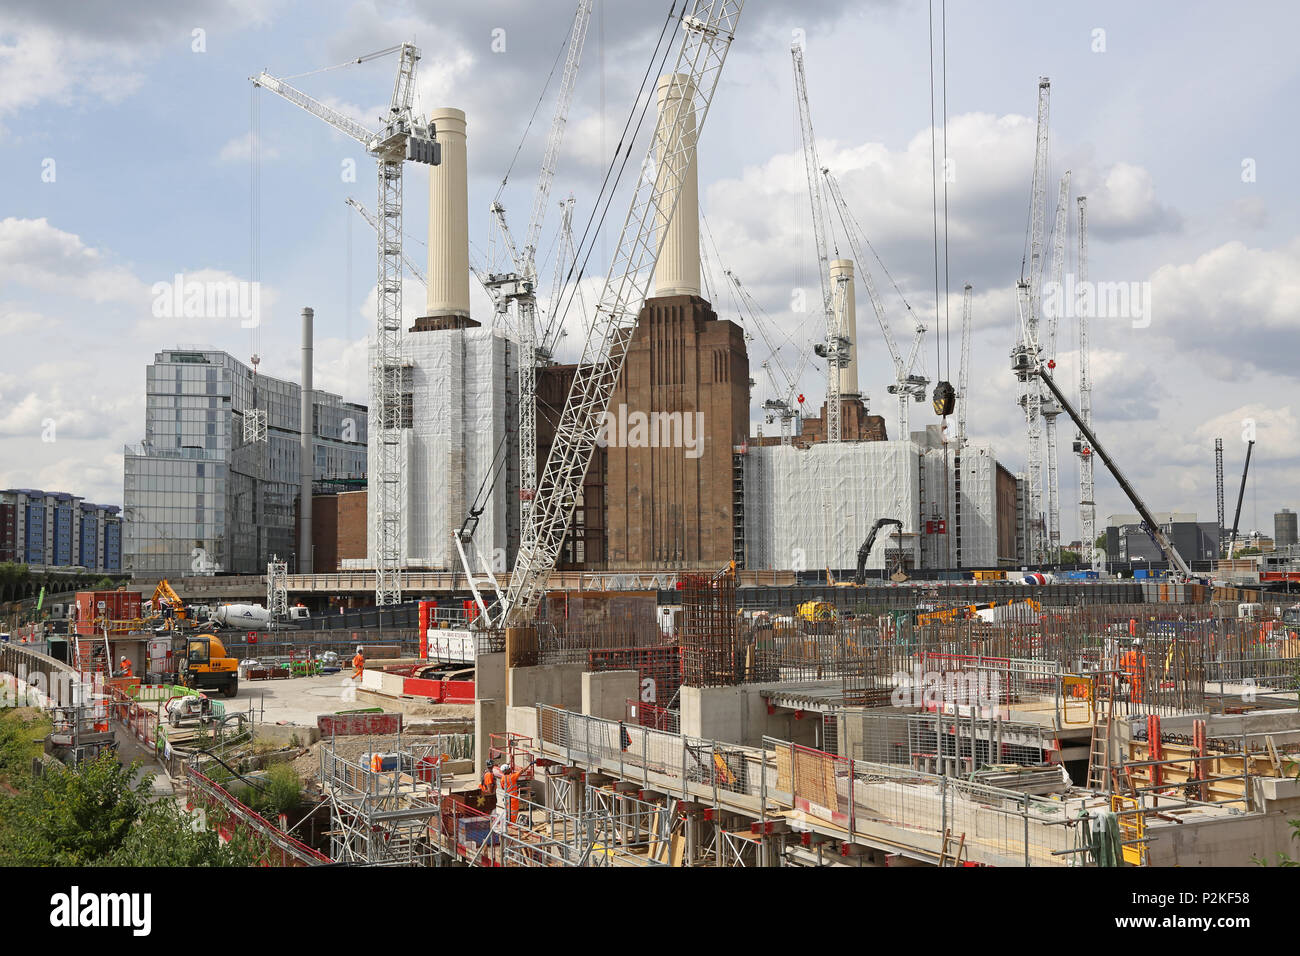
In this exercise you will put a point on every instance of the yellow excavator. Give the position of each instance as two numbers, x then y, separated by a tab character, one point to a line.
203	663
817	615
167	608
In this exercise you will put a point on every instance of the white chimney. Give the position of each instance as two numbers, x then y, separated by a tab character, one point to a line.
849	373
678	269
448	288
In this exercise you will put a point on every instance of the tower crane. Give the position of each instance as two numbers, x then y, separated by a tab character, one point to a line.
521	285
403	137
783	406
708	27
963	375
963	380
835	349
565	251
1087	506
1025	355
907	383
1049	409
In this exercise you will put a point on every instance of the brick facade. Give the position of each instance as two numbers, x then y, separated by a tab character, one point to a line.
855	425
672	507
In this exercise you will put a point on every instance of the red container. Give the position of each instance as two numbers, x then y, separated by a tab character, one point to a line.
120	609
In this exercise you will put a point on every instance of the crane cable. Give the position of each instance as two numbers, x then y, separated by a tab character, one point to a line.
605	196
536	106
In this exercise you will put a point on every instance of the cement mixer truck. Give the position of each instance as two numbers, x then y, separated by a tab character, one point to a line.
254	616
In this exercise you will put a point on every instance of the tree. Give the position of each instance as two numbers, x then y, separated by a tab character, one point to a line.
97	814
166	836
73	816
1070	557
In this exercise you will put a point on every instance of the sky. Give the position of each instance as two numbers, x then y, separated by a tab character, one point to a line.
133	148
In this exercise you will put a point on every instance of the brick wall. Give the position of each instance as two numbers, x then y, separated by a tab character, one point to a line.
352	525
1005	492
855	425
672	506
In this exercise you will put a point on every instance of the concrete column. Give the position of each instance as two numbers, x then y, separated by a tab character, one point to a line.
448	287
849	328
678	269
306	457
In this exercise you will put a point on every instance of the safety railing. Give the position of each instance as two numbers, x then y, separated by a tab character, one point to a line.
653	716
692	765
224	813
1001	827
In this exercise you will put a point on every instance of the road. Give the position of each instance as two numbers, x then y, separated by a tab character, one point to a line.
294	700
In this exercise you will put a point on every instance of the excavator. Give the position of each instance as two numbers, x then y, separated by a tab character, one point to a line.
203	663
168	610
864	552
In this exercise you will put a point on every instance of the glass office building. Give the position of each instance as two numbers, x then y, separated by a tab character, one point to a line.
201	499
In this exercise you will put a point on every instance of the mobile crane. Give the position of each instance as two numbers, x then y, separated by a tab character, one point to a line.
1183	569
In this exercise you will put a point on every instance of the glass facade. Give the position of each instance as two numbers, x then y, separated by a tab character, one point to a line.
201	500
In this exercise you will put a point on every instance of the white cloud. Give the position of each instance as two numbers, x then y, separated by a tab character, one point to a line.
240	148
37	254
1123	203
164	318
1237	307
15	319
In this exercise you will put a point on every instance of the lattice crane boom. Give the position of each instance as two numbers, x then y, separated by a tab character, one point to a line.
963	374
1049	409
708	30
1026	354
907	384
835	347
1087	502
403	137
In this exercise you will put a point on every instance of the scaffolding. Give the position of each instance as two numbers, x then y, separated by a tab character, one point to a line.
381	804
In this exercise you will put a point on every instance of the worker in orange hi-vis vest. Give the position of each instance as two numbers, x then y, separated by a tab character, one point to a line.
125	670
510	788
1134	663
358	664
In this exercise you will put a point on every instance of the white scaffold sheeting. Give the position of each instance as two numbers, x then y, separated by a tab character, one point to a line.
979	537
812	508
462	385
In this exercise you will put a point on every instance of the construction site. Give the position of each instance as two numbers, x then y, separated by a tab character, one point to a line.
581	614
